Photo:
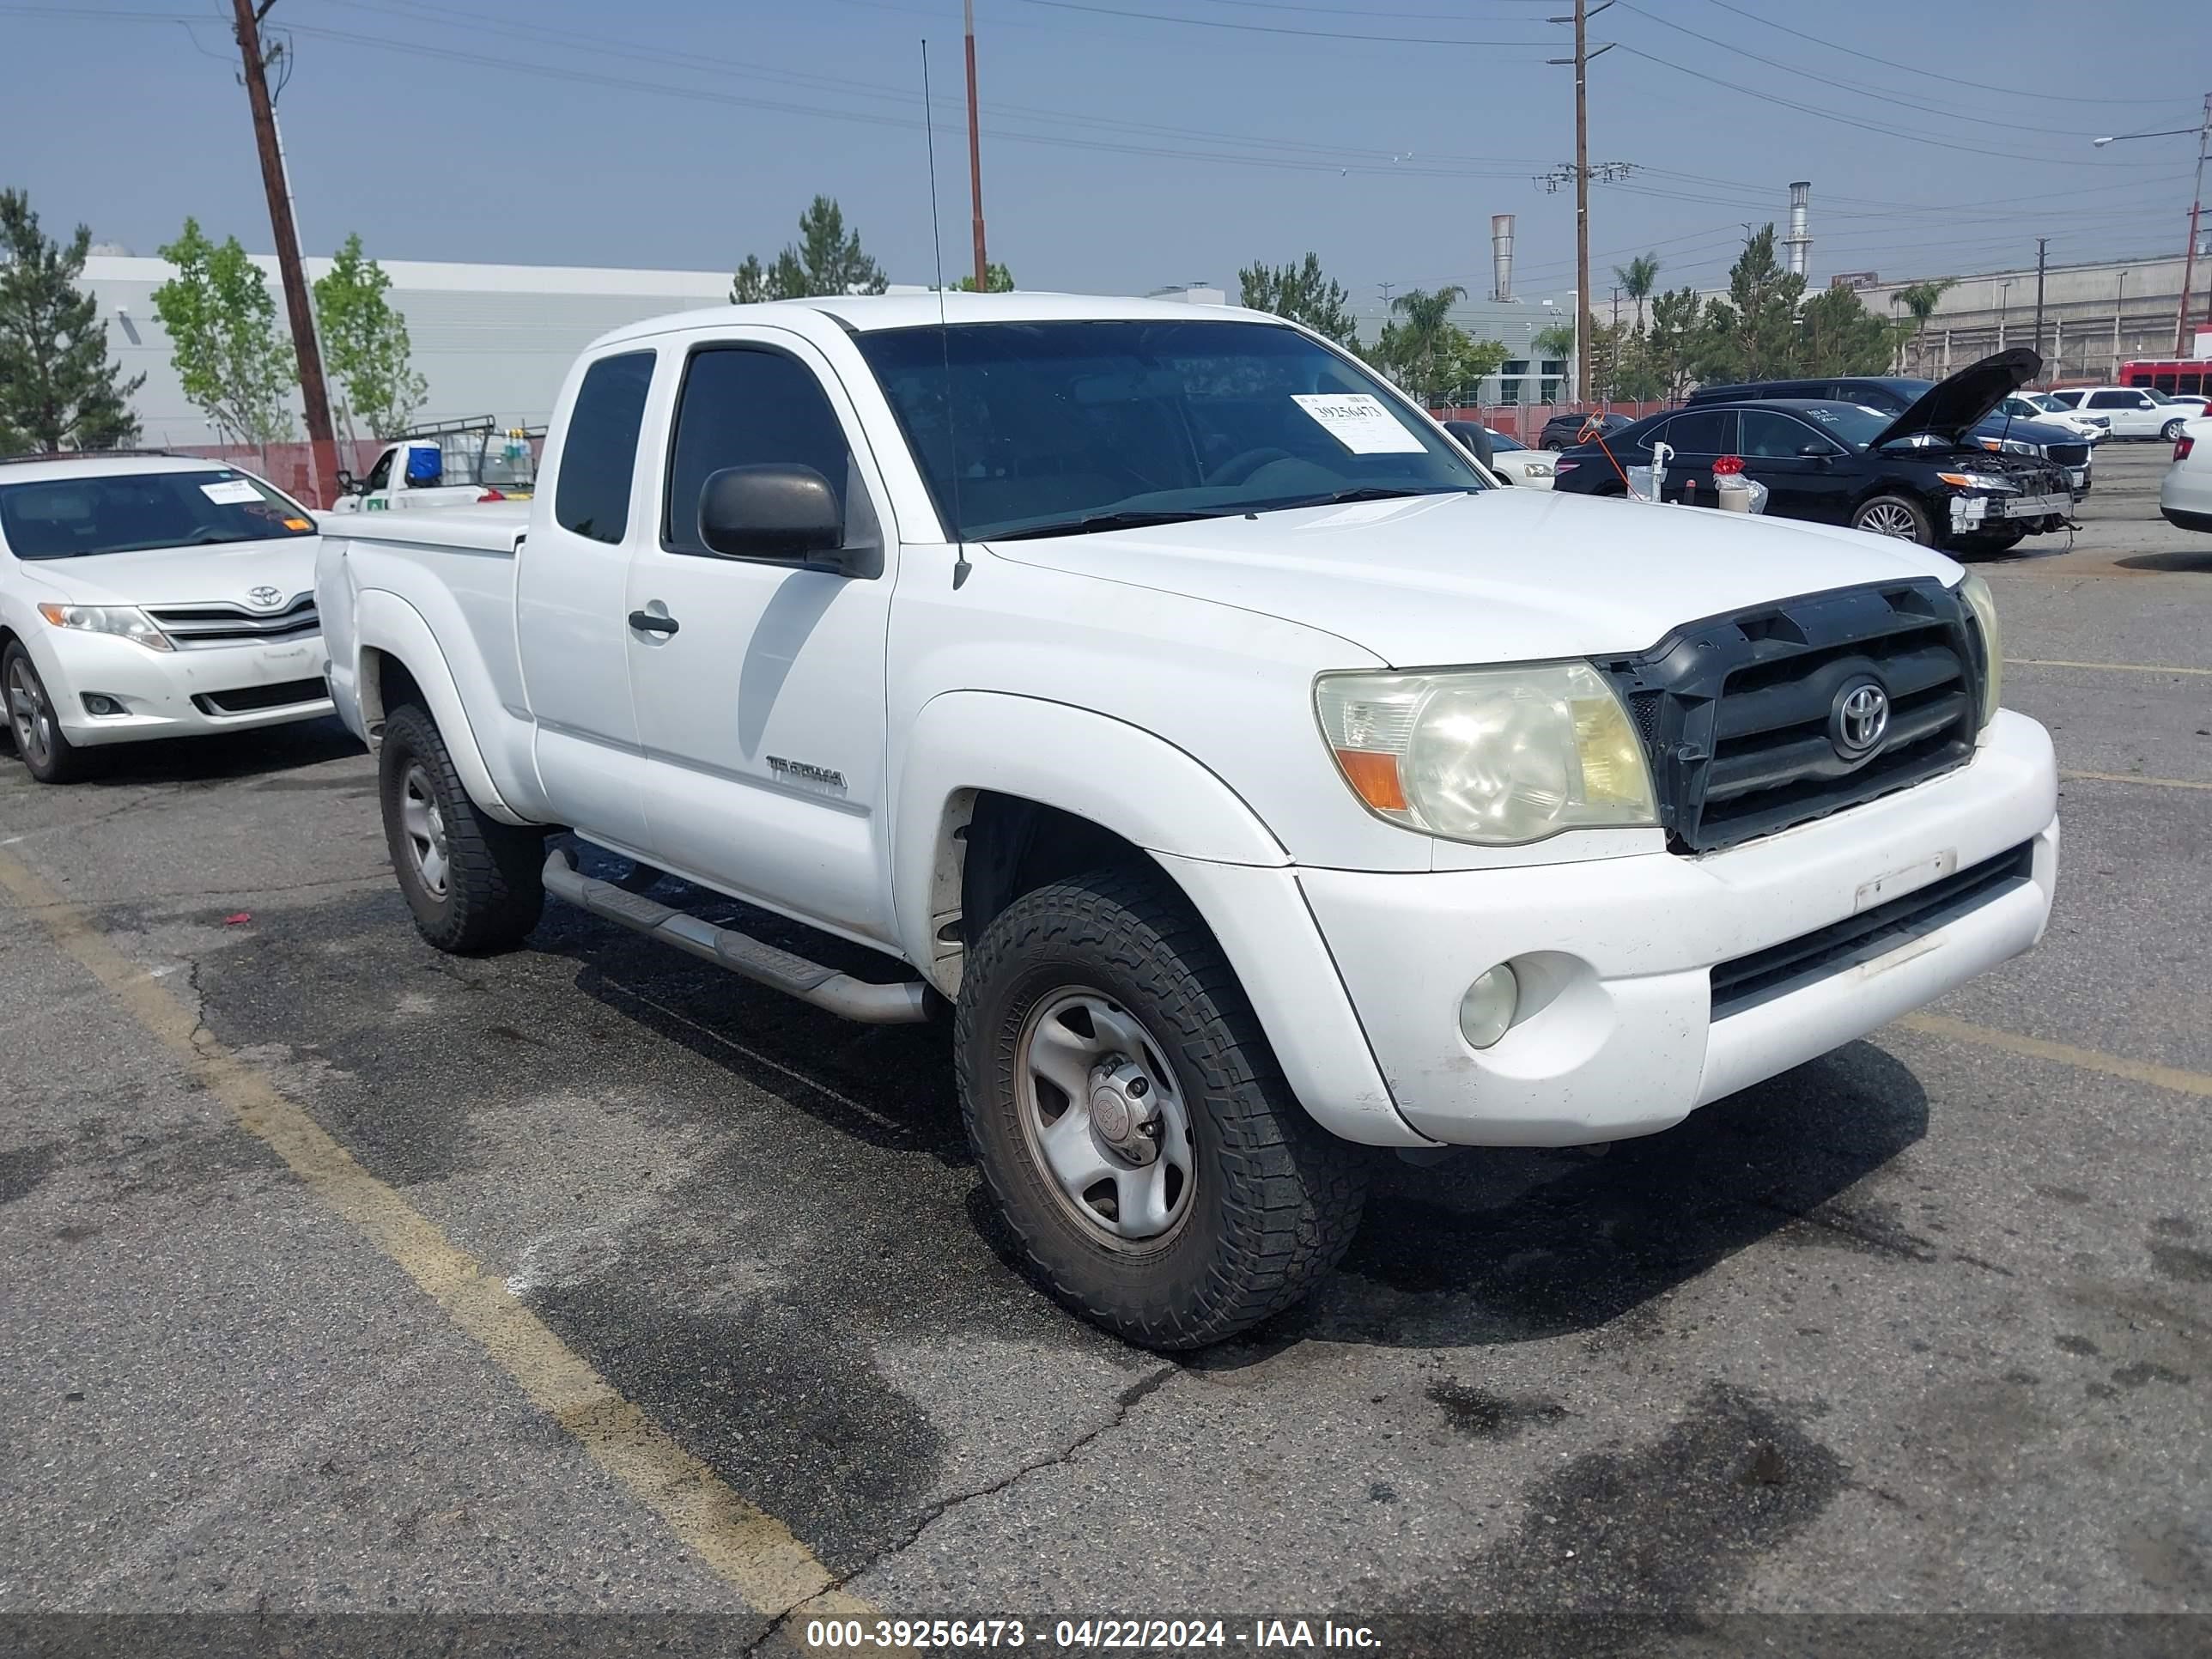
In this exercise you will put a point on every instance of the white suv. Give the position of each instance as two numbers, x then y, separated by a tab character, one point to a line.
2127	411
151	596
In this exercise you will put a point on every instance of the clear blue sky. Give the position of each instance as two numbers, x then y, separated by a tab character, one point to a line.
1123	148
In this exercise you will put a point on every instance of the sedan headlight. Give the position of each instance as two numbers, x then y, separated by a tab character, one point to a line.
2010	447
1979	481
1983	603
1497	755
124	620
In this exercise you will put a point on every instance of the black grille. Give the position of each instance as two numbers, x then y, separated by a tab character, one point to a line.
1736	712
251	699
1747	980
189	625
2068	454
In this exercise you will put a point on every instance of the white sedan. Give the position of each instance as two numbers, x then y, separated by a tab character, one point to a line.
1509	458
2186	498
151	596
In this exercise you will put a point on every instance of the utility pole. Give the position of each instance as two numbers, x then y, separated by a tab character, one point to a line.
1583	13
2181	341
299	304
975	160
2042	244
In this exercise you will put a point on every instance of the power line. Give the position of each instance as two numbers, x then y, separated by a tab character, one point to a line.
1950	80
1274	28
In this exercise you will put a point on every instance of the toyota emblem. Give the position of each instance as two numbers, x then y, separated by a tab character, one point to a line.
1860	719
266	598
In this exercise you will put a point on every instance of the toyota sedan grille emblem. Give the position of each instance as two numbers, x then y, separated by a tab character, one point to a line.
266	598
1860	719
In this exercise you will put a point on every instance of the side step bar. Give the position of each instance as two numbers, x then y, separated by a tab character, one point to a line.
810	981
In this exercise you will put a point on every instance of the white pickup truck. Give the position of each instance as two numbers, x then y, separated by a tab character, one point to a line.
1177	706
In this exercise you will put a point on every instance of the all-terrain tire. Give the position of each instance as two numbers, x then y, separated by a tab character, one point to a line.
493	875
1274	1199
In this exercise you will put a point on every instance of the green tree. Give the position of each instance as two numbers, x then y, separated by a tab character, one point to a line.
1838	334
1554	340
1304	295
1920	300
58	389
1001	280
234	363
364	344
1679	342
826	259
1637	279
1754	330
1420	346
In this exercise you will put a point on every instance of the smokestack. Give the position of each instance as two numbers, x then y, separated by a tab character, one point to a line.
1799	241
1501	255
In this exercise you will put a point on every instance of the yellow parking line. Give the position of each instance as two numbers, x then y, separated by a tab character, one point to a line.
2132	777
2112	667
749	1548
2065	1054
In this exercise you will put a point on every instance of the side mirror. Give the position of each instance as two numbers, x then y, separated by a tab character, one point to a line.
1816	449
774	511
348	484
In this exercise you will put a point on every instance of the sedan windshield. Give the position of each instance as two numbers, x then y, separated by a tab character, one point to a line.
133	511
1072	427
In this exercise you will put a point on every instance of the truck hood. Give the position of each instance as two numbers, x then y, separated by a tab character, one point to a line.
184	575
1507	575
1954	405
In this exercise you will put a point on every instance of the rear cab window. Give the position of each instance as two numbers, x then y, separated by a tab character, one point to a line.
599	456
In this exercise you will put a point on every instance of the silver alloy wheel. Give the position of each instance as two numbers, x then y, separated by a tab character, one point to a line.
30	714
1102	1116
426	829
2173	432
1889	519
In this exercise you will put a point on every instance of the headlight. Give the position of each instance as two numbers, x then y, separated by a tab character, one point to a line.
1979	481
1499	755
120	619
2010	447
1983	603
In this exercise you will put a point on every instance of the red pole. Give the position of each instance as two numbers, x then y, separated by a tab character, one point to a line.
975	160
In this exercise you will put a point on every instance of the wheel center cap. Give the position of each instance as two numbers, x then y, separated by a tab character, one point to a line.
1110	1113
1121	1110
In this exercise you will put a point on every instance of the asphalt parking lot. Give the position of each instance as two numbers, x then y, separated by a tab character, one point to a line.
342	1276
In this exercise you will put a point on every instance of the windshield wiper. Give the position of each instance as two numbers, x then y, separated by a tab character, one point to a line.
1092	522
1361	493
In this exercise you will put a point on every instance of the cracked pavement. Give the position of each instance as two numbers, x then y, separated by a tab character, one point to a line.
1924	1325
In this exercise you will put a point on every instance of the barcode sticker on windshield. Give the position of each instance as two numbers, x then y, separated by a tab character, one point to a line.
231	492
1360	421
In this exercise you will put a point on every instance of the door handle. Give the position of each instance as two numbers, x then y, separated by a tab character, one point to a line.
647	623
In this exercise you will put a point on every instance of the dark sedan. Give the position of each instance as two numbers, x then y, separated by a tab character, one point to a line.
1921	475
1565	431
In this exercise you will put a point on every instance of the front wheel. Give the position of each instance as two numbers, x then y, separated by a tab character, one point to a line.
473	883
1895	515
45	749
1130	1122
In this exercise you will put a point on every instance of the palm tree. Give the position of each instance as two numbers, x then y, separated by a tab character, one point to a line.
1637	279
1920	299
1426	328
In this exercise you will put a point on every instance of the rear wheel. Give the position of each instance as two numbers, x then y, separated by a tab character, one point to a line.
43	746
1139	1143
473	883
1895	515
2170	432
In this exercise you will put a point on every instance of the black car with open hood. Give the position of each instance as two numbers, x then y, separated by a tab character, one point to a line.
1921	475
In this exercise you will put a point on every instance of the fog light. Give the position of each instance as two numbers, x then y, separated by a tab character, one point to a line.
96	704
1486	1009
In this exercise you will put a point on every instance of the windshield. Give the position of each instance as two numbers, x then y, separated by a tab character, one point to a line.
1853	424
133	511
1077	426
2154	394
1500	444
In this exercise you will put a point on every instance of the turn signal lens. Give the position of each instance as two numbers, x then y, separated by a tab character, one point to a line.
1374	778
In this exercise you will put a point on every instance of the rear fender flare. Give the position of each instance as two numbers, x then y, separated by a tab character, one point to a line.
384	625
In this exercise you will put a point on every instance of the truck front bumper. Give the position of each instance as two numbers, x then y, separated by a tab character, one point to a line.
1616	1033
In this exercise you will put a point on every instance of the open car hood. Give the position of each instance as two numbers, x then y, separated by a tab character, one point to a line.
1954	407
